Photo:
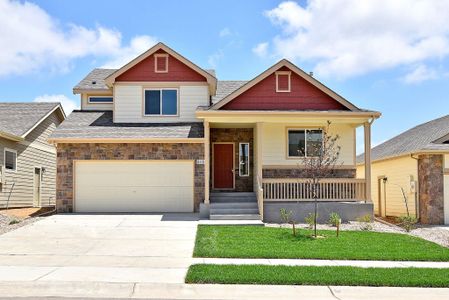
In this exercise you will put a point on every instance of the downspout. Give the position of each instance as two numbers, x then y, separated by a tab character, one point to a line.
418	216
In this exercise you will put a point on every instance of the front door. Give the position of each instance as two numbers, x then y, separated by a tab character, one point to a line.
223	156
37	186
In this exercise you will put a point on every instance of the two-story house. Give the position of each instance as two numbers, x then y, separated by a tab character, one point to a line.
162	134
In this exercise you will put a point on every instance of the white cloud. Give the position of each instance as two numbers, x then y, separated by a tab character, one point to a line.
225	32
138	45
261	49
67	104
32	40
419	74
351	37
215	58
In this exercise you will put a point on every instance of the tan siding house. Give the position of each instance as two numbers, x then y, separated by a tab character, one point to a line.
27	160
417	163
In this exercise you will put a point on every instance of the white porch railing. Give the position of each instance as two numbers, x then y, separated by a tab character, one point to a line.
329	189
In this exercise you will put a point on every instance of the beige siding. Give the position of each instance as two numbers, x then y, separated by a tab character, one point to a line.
275	144
31	153
129	104
85	105
399	171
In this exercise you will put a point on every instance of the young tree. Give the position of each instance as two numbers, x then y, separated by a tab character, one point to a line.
320	159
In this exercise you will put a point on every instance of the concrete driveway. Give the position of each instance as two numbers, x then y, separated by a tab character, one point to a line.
122	248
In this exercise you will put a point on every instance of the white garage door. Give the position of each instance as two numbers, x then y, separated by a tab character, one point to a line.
134	186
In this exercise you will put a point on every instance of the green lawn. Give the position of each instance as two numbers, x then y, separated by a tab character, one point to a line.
268	242
304	275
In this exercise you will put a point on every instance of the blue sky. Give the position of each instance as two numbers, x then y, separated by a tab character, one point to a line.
390	56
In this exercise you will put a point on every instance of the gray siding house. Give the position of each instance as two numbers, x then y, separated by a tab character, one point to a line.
27	160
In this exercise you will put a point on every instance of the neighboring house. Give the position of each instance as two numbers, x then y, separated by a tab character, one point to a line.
164	135
417	162
27	160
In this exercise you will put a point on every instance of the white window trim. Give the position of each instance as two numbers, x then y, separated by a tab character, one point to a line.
283	73
240	154
160	101
156	56
305	142
4	159
96	96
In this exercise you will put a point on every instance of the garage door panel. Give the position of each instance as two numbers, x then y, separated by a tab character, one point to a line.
142	186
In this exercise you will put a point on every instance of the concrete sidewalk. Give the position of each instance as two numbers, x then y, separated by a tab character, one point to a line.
322	262
99	290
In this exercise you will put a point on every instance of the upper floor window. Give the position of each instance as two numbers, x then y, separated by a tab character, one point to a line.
161	102
283	83
304	142
161	63
10	159
100	99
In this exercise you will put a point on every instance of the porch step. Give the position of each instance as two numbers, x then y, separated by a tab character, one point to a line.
234	206
235	217
234	211
218	205
232	197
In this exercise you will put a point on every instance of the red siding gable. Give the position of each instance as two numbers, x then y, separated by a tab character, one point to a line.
144	71
303	96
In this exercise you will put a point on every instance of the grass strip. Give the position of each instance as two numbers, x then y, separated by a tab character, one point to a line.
323	275
269	242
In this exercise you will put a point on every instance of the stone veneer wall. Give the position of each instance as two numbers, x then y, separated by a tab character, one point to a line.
431	189
236	136
66	153
298	173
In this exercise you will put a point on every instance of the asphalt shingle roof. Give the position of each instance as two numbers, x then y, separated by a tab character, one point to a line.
420	138
95	80
226	87
99	125
18	118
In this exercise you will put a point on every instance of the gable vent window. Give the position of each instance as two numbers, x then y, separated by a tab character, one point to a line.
283	83
161	63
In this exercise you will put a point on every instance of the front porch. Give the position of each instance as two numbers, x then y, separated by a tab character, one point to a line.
276	180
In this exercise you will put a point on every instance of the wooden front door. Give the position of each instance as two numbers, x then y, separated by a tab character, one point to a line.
223	156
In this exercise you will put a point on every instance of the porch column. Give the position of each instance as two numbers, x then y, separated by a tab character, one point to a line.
259	150
367	131
206	161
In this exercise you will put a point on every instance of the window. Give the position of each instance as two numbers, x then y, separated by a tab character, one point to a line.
10	160
243	159
161	102
161	63
283	83
100	99
304	143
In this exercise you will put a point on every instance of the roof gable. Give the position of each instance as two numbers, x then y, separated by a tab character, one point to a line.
306	93
17	120
142	69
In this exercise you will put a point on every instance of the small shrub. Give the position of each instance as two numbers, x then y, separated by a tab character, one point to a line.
286	217
310	219
334	219
14	221
366	222
407	222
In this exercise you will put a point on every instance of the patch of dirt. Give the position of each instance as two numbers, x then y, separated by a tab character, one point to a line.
25	212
